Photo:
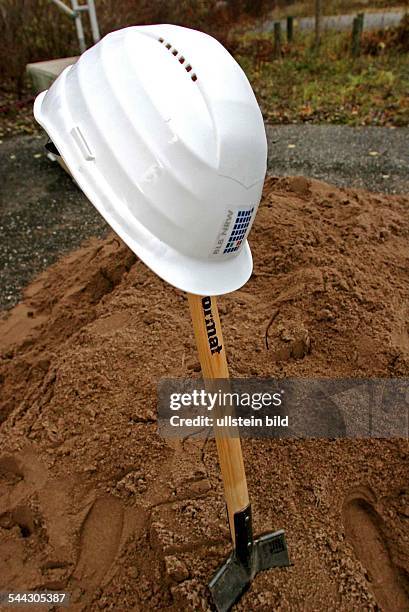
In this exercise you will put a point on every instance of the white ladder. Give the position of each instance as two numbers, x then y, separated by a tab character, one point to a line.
75	13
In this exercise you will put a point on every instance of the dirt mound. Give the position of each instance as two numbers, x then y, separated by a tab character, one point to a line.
94	502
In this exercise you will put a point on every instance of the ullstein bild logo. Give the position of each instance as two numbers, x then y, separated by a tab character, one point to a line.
214	345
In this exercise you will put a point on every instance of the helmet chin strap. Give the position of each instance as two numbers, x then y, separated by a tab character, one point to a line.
50	146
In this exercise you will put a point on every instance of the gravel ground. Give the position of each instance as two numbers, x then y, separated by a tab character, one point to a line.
43	214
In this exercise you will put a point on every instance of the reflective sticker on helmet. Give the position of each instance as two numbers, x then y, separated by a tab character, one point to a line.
233	232
239	230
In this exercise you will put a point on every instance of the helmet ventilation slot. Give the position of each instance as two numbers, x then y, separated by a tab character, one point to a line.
178	56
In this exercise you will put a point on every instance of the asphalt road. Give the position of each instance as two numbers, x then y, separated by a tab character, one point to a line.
373	158
43	214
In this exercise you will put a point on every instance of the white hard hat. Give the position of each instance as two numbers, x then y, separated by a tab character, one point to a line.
160	128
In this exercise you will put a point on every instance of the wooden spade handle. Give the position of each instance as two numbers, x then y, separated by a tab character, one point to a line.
212	356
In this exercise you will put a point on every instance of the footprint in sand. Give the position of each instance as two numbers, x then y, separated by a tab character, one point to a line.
366	531
55	534
104	531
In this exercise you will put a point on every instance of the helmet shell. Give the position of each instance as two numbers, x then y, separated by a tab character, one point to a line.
161	130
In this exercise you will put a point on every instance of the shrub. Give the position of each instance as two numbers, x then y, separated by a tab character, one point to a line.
35	30
31	30
375	43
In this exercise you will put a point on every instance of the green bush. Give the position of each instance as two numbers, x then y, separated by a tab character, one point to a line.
329	85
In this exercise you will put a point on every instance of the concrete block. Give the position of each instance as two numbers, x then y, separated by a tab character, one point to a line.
43	74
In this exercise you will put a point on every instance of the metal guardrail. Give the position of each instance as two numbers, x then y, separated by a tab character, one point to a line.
75	13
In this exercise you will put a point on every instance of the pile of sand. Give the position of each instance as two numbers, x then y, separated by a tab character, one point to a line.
92	501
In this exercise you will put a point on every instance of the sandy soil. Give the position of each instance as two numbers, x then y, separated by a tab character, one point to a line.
94	502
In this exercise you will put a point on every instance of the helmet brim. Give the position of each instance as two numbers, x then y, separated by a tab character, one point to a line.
193	275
